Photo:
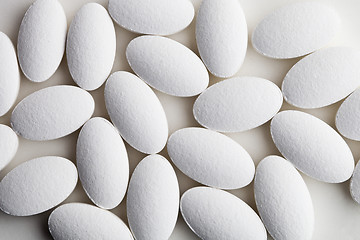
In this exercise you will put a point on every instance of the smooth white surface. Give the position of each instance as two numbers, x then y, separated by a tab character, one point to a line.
215	214
52	113
9	74
91	223
238	104
312	146
37	185
153	199
167	66
136	112
102	162
337	216
283	200
41	39
159	17
211	158
296	30
9	143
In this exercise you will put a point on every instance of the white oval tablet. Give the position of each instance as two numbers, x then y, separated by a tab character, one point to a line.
322	78
41	39
221	36
312	146
355	184
348	117
136	112
52	112
167	65
214	214
102	163
237	104
283	200
37	185
211	158
90	46
295	30
9	74
153	199
79	221
159	17
9	143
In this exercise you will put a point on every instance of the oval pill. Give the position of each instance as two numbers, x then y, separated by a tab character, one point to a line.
9	143
153	199
221	36
136	112
355	184
312	146
79	221
52	112
102	162
214	214
41	39
90	46
159	17
167	65
283	200
296	30
237	104
37	185
211	158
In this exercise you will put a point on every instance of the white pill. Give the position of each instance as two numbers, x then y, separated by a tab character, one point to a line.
41	39
90	46
9	74
322	78
216	214
211	158
167	65
37	185
355	184
221	36
9	143
283	200
136	112
238	104
312	146
52	112
348	117
153	199
295	30
79	221
159	17
102	163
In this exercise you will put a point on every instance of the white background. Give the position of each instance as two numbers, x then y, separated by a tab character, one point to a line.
336	215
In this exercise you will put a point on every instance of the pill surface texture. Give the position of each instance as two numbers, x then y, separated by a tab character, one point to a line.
159	17
348	117
136	112
52	112
214	214
79	221
237	104
312	146
296	30
9	143
283	200
355	184
167	65
211	158
37	185
102	163
9	74
41	39
221	36
90	46
153	199
322	78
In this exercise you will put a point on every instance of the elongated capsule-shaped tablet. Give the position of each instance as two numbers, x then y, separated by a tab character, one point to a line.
9	143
